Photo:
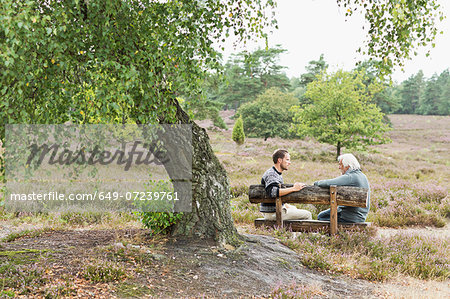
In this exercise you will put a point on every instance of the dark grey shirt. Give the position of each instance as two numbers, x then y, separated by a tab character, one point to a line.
353	178
271	180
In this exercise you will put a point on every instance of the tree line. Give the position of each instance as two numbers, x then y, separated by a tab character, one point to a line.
247	75
345	108
419	95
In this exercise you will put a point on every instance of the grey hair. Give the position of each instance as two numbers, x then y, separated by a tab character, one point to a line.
349	160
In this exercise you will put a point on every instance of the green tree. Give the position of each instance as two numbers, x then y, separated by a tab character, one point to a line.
444	103
238	135
247	75
385	99
314	68
431	96
341	112
203	108
410	93
297	89
434	100
125	62
268	116
396	28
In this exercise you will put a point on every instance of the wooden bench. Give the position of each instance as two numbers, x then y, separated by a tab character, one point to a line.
333	196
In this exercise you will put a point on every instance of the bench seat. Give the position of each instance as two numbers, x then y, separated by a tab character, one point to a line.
310	225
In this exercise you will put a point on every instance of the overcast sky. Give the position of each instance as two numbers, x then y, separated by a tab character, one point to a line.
308	28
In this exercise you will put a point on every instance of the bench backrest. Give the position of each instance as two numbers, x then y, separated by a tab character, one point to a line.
346	196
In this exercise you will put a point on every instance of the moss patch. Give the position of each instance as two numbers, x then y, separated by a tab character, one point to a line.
129	289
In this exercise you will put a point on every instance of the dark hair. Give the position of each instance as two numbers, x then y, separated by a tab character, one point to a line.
278	154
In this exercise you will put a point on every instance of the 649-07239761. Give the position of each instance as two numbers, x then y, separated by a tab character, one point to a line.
169	196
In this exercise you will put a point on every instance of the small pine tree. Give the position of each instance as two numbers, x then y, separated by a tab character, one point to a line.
238	131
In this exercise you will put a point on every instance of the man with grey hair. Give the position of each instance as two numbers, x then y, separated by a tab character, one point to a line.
351	176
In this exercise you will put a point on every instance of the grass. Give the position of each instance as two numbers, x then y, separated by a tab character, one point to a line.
132	290
141	256
25	234
67	220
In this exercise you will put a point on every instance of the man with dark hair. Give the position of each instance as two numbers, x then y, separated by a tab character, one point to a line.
271	180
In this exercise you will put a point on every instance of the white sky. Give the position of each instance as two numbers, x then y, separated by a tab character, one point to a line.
308	28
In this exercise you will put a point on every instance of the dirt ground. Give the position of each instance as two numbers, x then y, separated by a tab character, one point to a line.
178	267
187	268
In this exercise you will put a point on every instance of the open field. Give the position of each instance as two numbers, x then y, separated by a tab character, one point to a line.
405	255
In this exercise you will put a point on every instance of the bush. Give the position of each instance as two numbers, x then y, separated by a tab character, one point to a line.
160	222
238	132
268	116
158	215
103	273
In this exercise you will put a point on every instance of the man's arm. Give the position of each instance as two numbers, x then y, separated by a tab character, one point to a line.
297	187
274	191
343	180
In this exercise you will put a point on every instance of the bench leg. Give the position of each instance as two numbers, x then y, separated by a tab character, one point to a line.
333	210
278	207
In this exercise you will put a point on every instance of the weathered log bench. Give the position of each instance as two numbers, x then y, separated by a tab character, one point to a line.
333	196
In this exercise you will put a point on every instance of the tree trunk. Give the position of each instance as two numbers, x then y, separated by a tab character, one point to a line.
338	149
211	211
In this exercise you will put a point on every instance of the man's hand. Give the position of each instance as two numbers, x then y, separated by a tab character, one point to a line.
298	186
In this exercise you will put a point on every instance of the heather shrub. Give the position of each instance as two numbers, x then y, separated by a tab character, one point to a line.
23	279
362	255
399	203
244	216
243	211
430	193
444	207
239	190
105	272
407	213
294	291
78	218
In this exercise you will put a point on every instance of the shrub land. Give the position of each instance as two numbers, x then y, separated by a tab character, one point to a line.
409	182
409	177
409	188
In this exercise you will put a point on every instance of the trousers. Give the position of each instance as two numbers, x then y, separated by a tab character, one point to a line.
325	216
289	212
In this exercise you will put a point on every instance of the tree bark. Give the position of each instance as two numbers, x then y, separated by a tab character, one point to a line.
338	149
211	211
